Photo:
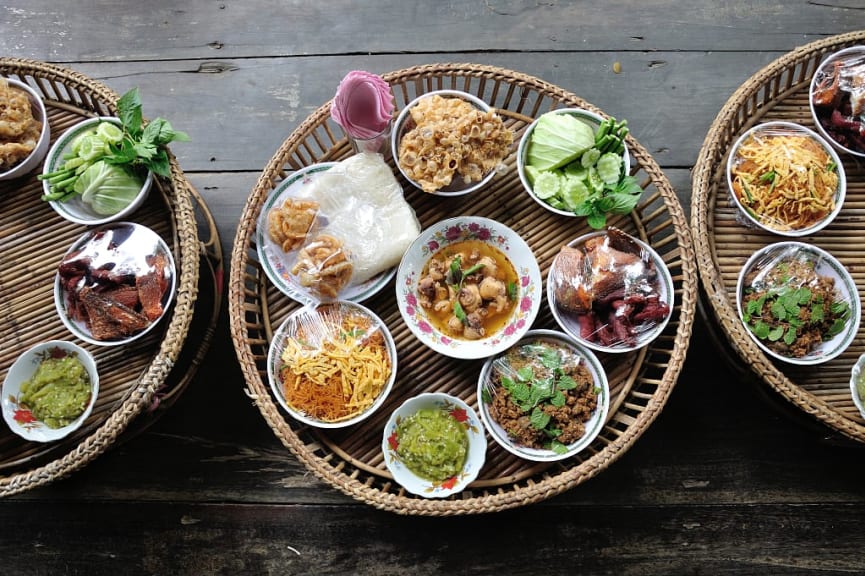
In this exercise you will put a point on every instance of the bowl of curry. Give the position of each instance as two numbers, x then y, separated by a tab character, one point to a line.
468	287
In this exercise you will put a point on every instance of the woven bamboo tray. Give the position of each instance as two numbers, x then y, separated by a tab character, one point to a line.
777	92
351	459
33	239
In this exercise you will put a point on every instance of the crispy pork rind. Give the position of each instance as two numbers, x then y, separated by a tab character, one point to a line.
610	284
19	129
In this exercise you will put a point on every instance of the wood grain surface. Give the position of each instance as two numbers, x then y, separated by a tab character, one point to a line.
728	480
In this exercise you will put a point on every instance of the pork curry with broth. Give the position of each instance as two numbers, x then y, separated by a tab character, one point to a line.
469	290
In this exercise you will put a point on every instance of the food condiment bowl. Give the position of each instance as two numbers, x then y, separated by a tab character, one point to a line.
115	283
405	123
344	337
530	363
830	100
24	419
593	120
457	416
36	156
75	209
768	136
455	234
586	301
791	278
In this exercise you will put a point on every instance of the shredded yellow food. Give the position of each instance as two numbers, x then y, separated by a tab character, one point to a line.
787	182
336	371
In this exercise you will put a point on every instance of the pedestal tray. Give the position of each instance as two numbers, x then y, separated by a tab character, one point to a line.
351	459
777	92
33	239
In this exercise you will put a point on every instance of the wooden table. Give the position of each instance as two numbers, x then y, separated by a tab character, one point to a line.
728	479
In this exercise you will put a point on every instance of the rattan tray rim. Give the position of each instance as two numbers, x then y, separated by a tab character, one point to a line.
531	491
738	113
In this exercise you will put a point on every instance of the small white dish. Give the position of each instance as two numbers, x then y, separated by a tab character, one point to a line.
475	458
19	418
75	209
579	354
312	319
38	154
857	383
404	123
588	117
439	236
125	247
646	333
781	253
277	264
776	128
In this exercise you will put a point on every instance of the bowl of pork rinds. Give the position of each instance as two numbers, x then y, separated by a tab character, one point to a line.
449	142
24	131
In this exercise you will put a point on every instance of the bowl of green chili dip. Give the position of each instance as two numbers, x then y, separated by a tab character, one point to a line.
49	391
434	445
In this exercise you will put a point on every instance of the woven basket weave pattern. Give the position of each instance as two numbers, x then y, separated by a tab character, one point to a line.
351	460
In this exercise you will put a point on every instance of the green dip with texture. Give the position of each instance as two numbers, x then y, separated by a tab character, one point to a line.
58	392
432	444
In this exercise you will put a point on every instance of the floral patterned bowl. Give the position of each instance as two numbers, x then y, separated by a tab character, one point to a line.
475	458
447	232
20	418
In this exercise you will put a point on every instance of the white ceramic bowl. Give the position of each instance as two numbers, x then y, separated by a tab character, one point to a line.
126	244
569	322
75	209
781	127
825	265
288	330
447	232
277	263
38	153
19	419
581	354
405	123
475	458
588	117
858	374
855	55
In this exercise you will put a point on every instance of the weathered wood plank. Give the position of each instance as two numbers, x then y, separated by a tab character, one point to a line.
200	29
229	538
239	116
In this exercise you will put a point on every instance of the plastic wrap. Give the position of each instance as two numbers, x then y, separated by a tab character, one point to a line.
610	284
332	363
344	227
791	299
838	98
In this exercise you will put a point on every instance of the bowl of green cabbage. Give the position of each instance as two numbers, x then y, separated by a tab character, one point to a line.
574	162
82	184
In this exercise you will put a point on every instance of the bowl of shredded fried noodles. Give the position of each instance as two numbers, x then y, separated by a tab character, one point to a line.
331	365
786	179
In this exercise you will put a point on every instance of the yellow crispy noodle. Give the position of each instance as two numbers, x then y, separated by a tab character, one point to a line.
452	137
335	366
788	182
19	130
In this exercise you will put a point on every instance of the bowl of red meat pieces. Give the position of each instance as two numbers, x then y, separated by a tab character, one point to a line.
115	283
610	291
837	99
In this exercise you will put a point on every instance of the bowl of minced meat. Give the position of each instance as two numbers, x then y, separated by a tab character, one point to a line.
544	399
49	391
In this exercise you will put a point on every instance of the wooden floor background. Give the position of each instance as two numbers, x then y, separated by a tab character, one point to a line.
728	480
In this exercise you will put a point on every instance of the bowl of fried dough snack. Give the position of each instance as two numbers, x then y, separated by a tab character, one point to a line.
24	131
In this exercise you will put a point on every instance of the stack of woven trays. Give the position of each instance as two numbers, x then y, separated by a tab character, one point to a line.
723	243
134	378
351	459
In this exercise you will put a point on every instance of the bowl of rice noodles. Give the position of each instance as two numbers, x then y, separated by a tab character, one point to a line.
332	365
786	179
